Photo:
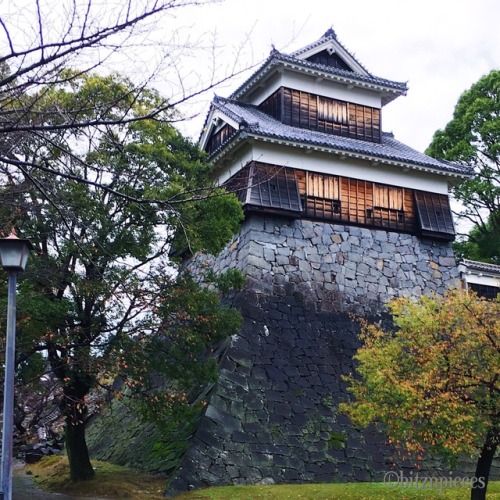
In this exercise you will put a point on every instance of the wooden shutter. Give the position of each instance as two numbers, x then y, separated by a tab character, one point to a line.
274	187
388	197
323	186
331	110
434	215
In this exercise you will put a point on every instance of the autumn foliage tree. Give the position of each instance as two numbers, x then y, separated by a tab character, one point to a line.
433	382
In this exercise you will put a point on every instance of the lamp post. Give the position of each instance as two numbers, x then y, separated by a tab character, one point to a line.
14	253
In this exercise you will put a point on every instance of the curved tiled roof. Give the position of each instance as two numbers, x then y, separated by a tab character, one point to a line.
258	124
294	61
375	80
481	266
277	59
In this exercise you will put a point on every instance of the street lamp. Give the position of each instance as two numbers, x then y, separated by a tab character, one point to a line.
14	253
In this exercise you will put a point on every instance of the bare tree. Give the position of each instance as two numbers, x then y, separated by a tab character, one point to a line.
44	38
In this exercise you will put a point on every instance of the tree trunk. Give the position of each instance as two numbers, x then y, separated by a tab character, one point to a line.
478	489
78	453
19	416
74	408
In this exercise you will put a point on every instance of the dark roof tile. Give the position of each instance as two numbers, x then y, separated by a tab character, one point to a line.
375	80
276	58
481	266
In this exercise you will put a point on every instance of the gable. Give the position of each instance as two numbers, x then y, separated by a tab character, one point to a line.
218	136
329	58
219	127
329	49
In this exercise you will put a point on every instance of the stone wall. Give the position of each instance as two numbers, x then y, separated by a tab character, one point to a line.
344	268
272	417
119	435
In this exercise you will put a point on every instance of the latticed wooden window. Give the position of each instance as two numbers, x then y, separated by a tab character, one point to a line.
486	291
274	187
332	111
322	196
388	197
238	184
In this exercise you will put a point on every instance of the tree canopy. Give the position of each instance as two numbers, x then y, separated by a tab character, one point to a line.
96	175
482	243
472	138
432	382
102	204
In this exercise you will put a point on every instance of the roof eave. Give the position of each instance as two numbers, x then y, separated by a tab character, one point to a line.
479	268
391	92
405	165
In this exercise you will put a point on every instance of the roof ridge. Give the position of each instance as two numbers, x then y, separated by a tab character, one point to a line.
328	35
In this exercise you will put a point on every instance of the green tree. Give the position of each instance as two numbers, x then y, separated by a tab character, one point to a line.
472	138
433	382
166	375
483	242
101	205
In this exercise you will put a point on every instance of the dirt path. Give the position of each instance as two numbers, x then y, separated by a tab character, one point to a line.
23	488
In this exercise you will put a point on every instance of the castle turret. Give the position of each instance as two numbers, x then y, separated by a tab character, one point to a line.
301	140
340	218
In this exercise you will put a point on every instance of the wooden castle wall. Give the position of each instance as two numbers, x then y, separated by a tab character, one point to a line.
324	114
300	193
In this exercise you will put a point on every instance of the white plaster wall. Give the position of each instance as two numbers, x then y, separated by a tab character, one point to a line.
309	83
478	279
333	164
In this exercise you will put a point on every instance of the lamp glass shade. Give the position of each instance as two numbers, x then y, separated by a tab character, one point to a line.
14	253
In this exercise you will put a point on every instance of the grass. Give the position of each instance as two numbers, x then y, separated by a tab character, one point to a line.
333	491
110	481
113	481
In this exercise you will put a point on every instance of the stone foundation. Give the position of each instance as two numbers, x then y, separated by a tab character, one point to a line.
272	417
344	268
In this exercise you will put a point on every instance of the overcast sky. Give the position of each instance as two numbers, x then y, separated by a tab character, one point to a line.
440	47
